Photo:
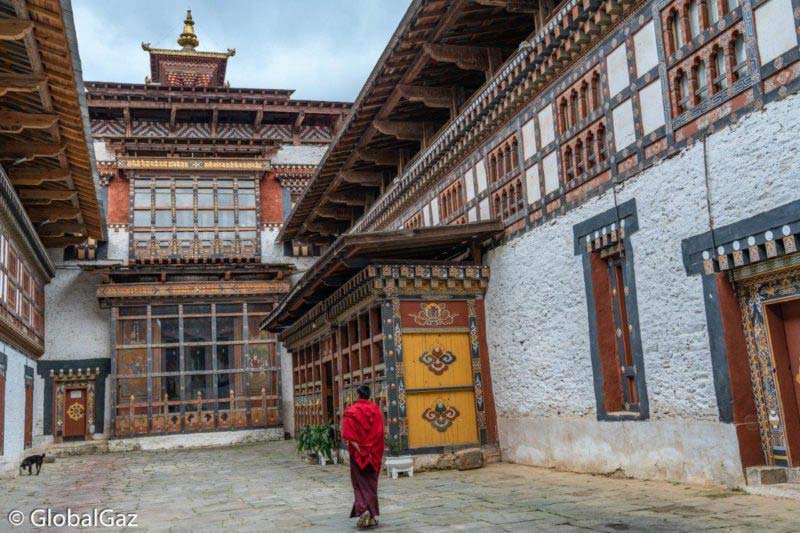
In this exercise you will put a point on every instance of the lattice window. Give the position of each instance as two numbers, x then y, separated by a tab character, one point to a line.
508	199
21	294
192	367
451	200
194	217
504	159
416	221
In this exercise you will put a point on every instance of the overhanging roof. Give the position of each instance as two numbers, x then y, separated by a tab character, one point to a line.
45	135
352	252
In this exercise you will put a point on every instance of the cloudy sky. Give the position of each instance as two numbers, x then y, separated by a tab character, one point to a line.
324	49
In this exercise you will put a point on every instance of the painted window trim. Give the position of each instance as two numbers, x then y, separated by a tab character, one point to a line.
610	228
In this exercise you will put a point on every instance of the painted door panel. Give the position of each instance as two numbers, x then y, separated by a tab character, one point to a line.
75	413
440	398
437	360
453	423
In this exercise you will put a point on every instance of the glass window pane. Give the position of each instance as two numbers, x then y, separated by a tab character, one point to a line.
127	388
247	199
225	198
138	310
166	359
197	329
184	219
253	331
246	184
247	218
184	199
165	330
201	384
229	308
142	199
229	328
226	218
197	309
225	184
164	310
205	219
230	356
141	218
163	218
163	198
198	358
205	198
261	357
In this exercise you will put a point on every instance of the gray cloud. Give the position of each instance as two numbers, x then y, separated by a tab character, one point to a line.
324	49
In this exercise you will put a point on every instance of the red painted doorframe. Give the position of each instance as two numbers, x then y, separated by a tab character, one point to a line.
783	323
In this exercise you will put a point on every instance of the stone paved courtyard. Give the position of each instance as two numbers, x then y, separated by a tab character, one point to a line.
266	487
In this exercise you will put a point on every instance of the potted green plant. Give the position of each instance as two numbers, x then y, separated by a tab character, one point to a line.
395	463
324	443
305	440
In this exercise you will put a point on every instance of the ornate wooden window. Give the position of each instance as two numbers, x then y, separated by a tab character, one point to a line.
684	94
193	217
695	19
504	159
720	74
508	199
739	56
193	366
675	35
451	200
616	348
415	221
21	294
701	81
714	11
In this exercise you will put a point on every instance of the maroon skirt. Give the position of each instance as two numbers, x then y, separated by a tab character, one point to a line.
365	488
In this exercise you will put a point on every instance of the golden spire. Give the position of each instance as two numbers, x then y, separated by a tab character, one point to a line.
188	40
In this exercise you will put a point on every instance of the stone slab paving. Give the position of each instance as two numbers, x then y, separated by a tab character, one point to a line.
266	487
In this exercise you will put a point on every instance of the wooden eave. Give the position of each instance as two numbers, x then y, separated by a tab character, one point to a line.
352	252
404	61
49	52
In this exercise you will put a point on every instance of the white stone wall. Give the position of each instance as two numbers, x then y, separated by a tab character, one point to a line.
287	388
14	416
537	319
75	326
117	245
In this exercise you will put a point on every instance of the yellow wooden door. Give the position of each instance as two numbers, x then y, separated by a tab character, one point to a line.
440	395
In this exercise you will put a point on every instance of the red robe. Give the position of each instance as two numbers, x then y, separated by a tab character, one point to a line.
363	424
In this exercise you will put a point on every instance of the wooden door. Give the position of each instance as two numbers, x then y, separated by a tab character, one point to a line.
28	415
783	323
75	413
791	326
440	393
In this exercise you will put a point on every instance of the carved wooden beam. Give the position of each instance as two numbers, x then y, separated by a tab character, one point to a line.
25	151
379	157
486	60
16	121
36	176
43	214
173	115
14	29
437	97
214	121
40	195
20	83
513	6
126	114
362	177
57	229
336	213
58	242
406	131
258	119
345	198
298	122
323	228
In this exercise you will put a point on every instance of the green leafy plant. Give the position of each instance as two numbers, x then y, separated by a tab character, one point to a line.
393	445
316	439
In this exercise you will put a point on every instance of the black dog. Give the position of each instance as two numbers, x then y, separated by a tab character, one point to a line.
30	462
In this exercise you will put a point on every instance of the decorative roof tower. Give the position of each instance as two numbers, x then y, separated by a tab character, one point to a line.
187	67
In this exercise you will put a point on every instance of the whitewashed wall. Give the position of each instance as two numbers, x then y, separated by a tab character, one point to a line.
537	316
14	434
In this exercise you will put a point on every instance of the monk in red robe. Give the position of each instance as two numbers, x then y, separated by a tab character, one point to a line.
362	428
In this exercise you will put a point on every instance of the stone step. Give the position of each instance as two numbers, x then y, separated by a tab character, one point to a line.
758	476
68	449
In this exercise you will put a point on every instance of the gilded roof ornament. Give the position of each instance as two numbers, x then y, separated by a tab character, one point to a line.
188	40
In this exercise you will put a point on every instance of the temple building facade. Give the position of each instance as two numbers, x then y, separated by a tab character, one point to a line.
635	308
153	329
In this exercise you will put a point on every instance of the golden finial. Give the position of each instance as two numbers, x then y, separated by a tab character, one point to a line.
188	40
